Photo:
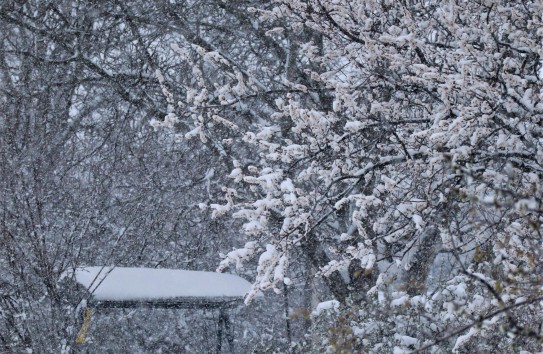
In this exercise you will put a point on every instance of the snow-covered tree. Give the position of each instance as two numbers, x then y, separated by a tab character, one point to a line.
396	145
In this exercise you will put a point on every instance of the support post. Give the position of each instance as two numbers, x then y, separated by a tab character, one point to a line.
229	331
224	323
219	333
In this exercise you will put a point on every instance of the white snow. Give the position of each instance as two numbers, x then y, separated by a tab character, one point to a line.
326	306
353	126
460	341
402	301
287	186
418	221
526	204
406	340
136	284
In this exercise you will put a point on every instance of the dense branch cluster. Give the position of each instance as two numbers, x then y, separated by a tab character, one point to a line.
399	147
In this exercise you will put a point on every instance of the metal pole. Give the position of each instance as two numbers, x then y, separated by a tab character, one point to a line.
219	332
229	331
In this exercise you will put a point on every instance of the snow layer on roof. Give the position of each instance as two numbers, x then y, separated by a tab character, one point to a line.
136	284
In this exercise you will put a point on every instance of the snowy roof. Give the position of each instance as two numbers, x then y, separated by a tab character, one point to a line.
129	287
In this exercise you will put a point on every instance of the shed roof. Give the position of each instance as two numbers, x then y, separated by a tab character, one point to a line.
166	288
